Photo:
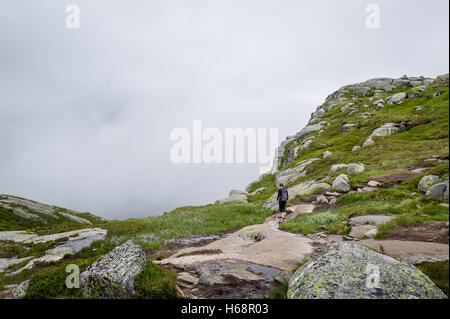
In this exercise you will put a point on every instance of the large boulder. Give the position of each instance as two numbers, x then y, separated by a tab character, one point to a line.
112	275
341	183
427	182
350	271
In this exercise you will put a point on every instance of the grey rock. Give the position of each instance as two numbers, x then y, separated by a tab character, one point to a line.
308	130
388	129
322	199
341	183
290	174
379	83
346	107
21	290
306	143
112	275
438	190
400	83
362	90
238	192
327	154
355	148
379	101
373	183
396	98
368	142
373	220
427	182
291	155
349	271
355	168
318	113
363	231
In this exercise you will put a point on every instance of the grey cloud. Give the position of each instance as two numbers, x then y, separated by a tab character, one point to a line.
85	115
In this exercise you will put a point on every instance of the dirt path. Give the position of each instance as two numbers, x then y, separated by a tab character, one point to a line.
262	244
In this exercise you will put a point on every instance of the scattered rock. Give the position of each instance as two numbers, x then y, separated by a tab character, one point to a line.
341	183
346	272
327	154
355	148
368	142
322	199
373	183
355	168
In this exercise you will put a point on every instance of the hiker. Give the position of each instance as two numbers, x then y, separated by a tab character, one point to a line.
282	198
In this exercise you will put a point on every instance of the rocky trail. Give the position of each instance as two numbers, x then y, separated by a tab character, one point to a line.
258	257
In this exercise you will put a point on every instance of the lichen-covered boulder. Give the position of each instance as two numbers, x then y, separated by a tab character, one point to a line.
350	271
427	182
112	275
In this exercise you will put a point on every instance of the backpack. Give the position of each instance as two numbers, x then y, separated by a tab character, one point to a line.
284	195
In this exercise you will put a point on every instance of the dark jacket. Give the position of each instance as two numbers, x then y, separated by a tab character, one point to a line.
283	195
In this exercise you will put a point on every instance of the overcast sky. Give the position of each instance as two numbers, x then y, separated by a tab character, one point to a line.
86	114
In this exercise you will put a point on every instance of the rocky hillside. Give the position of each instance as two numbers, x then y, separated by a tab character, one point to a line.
368	183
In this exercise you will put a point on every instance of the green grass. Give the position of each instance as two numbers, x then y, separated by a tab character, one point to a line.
315	222
155	282
187	222
438	272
